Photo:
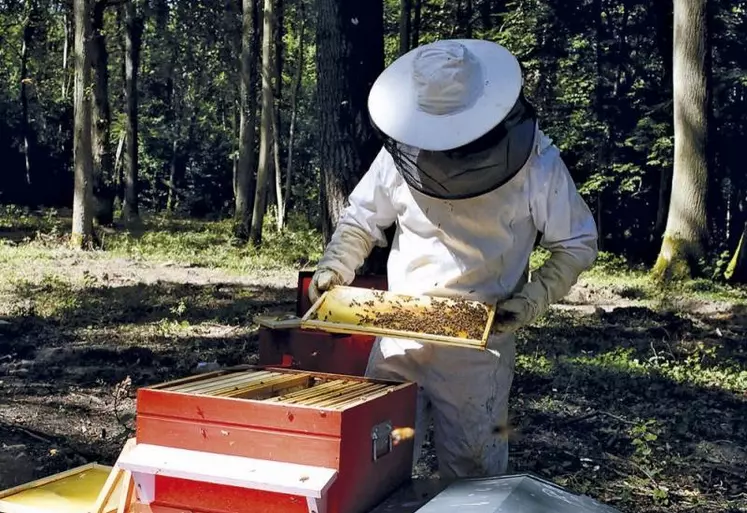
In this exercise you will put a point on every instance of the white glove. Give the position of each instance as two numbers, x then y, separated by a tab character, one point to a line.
323	280
511	315
550	283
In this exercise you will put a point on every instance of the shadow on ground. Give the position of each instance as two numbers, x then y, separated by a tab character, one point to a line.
631	406
626	406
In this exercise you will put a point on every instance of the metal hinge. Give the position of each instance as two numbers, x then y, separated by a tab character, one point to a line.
381	439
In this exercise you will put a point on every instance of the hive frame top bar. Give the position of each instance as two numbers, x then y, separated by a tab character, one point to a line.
283	387
339	310
259	368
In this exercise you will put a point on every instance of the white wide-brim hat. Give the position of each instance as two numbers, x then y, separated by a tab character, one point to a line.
443	95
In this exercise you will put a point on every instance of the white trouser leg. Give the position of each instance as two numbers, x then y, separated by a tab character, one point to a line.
469	390
402	360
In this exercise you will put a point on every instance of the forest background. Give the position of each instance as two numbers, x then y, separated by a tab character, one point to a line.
199	152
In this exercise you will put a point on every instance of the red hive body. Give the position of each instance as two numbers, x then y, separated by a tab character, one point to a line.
334	438
325	416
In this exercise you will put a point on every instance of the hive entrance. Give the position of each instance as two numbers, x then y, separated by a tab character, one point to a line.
287	388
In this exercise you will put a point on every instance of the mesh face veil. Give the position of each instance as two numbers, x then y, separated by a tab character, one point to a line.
474	169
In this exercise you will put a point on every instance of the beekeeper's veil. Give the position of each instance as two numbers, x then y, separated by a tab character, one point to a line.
453	117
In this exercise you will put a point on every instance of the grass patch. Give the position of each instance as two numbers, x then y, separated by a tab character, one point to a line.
639	406
636	283
26	235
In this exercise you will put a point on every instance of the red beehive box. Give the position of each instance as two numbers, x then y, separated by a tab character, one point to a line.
317	350
270	440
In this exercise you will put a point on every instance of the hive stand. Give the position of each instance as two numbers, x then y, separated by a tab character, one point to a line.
147	461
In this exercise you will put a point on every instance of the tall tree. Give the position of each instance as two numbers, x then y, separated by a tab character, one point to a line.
264	168
295	91
247	119
26	133
276	119
418	8
133	37
102	157
349	57
405	25
468	19
686	233
82	232
66	28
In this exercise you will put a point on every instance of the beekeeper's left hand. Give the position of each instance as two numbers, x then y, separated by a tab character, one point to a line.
511	315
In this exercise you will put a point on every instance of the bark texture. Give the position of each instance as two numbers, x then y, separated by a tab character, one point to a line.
247	118
264	168
350	56
418	7
405	25
686	233
133	31
82	229
102	157
26	132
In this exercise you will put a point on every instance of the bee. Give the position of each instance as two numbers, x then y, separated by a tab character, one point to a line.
403	434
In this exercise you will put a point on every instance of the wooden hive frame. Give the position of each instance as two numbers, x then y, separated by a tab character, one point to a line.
354	310
106	501
288	387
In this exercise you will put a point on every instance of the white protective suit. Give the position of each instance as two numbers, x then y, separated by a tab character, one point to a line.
475	248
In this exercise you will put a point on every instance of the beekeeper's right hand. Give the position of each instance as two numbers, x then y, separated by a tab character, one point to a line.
323	280
347	249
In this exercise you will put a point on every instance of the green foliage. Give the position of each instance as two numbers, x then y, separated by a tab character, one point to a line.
598	72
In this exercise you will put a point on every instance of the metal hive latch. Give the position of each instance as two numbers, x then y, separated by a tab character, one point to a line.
381	439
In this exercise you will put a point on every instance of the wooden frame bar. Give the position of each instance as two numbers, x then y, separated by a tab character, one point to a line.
340	309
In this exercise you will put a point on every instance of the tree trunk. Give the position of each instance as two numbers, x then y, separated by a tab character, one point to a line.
264	170
280	202
686	232
276	123
172	197
174	104
26	135
599	108
118	179
82	232
737	209
486	15
65	51
468	20
102	158
247	118
133	32
416	24
550	34
736	272
350	56
405	15
294	104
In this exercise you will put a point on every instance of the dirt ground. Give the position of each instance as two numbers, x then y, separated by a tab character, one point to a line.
78	336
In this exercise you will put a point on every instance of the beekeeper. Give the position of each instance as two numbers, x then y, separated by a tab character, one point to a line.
470	181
